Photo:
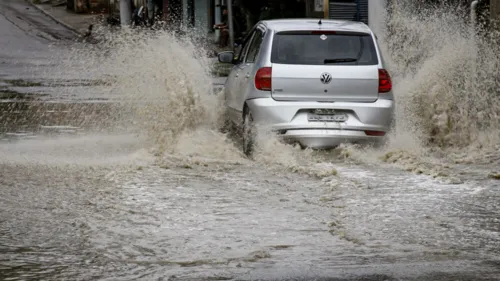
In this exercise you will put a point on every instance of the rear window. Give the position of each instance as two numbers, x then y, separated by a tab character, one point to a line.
315	48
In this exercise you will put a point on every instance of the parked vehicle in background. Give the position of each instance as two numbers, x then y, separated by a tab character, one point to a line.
318	83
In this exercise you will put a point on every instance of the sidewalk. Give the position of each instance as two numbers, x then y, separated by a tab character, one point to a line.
78	23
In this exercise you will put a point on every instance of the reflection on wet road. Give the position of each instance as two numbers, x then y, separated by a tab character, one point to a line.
85	194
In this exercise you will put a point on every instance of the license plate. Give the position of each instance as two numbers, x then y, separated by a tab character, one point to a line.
327	118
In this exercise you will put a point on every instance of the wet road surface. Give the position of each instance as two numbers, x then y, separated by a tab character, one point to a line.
127	215
81	198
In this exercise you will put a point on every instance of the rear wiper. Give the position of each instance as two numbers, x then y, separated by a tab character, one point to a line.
340	60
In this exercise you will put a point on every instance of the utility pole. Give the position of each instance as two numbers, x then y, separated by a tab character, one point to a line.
230	20
125	12
473	12
217	19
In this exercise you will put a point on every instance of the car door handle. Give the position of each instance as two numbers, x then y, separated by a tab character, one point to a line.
237	75
247	76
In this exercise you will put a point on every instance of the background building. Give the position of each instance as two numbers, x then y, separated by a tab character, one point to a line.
356	10
87	6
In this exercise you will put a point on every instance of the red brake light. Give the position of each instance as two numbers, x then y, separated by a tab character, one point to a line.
263	79
384	81
375	133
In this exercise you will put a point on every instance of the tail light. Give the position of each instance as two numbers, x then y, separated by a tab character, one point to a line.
384	81
375	133
263	79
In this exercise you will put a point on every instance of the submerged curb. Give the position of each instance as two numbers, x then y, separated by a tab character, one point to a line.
55	19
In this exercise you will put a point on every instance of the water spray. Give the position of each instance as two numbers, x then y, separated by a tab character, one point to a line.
473	18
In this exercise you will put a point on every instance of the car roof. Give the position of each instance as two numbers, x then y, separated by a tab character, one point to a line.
313	24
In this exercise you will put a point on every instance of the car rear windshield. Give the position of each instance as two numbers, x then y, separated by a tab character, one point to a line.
323	48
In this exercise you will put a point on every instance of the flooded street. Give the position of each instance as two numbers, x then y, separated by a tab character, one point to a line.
112	169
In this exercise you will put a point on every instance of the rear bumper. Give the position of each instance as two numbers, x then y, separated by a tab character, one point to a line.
290	120
328	138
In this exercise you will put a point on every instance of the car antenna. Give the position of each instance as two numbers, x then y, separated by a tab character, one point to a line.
320	22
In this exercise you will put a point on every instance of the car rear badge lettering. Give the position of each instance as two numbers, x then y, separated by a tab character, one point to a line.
326	78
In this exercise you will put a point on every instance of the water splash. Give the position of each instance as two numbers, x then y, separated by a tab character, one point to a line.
160	82
446	79
446	86
162	85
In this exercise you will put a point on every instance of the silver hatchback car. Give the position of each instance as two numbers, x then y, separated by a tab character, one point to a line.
318	83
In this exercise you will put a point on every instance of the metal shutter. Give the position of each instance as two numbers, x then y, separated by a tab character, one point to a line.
349	10
363	10
342	10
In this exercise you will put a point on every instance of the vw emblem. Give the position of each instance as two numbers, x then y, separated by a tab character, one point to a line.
326	78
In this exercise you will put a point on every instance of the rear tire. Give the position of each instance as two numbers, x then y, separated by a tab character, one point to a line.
248	134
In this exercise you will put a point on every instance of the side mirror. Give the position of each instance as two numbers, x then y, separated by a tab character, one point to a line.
226	57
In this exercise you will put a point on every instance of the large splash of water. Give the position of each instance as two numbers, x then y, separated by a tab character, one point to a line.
445	80
446	76
160	81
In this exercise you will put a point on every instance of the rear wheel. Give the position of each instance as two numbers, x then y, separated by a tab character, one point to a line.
248	134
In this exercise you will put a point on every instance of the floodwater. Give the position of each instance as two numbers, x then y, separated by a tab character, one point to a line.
112	167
